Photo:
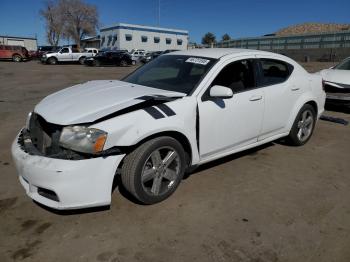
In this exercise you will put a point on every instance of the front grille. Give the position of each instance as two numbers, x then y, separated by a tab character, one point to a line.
42	138
332	89
45	136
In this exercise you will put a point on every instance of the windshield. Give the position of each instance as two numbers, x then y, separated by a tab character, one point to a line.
344	65
172	72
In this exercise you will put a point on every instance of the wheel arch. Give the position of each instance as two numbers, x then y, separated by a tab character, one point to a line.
52	57
314	105
180	137
302	101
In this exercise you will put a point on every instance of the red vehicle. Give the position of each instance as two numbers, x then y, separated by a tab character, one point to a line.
14	53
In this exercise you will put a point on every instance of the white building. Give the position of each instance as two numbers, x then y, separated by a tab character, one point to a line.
28	42
149	38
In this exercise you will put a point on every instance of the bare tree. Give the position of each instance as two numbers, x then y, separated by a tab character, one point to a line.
69	19
54	22
81	19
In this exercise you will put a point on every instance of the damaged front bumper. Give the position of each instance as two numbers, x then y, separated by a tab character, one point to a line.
337	94
63	183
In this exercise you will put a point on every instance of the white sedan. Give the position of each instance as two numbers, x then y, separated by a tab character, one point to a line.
180	110
337	83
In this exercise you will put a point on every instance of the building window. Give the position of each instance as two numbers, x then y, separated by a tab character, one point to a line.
179	41
168	41
144	39
156	40
109	40
128	37
103	40
114	39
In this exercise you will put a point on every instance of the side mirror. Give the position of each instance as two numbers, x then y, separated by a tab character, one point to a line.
220	92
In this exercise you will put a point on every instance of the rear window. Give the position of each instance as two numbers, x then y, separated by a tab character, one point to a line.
274	71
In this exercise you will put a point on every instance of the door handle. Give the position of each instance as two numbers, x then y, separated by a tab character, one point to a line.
255	98
294	88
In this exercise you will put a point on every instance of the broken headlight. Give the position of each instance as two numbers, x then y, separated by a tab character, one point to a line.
83	139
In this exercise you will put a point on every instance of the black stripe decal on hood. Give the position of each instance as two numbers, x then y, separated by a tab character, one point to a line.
154	112
166	109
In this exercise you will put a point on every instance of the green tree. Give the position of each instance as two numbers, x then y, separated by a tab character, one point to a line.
208	39
226	37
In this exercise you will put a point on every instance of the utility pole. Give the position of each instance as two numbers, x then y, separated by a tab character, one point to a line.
158	12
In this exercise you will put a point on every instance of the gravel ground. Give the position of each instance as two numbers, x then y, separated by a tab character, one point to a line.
273	203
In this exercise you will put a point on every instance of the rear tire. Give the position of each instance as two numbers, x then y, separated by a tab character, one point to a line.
96	63
81	60
303	126
123	63
16	58
153	171
52	61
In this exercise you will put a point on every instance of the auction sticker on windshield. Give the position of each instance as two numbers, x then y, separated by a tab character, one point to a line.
196	60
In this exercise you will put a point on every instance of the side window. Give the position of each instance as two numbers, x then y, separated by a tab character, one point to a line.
64	50
274	72
239	76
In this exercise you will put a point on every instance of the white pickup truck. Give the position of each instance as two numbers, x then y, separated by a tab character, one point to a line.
68	54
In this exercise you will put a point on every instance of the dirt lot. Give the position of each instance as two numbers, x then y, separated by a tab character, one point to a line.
275	203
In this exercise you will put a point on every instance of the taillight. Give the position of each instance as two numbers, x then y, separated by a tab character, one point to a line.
323	85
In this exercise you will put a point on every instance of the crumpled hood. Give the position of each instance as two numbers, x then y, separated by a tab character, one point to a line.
92	100
336	76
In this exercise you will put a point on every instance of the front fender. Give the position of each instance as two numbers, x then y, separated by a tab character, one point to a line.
131	128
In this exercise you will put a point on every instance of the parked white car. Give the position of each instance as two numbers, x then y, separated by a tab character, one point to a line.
337	82
180	110
92	50
67	54
137	54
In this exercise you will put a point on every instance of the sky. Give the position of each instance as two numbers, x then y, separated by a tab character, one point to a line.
241	18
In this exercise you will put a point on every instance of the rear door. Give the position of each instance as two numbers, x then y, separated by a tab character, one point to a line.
280	95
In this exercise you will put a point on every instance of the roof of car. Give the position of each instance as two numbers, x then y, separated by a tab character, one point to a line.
217	52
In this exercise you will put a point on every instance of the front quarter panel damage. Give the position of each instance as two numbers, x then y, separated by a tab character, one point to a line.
131	128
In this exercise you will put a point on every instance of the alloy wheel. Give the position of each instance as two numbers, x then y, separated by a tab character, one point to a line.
305	125
160	171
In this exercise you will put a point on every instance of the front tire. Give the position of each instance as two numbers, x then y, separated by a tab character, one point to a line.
52	61
153	171
303	126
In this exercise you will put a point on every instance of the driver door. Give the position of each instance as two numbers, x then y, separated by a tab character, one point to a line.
226	125
64	54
